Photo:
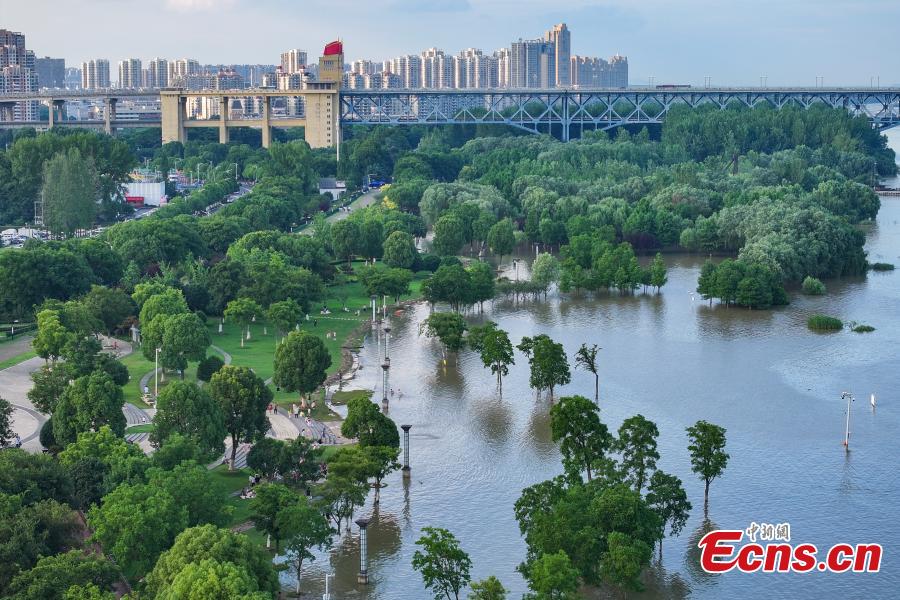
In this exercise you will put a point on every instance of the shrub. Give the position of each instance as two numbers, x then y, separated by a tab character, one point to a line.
880	266
824	323
863	329
813	286
207	367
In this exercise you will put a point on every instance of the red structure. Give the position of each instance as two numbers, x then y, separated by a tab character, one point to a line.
332	48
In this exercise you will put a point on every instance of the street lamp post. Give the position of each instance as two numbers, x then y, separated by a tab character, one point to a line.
156	373
363	575
327	594
385	378
849	398
406	428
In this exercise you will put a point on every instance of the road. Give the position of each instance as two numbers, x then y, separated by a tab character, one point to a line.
363	201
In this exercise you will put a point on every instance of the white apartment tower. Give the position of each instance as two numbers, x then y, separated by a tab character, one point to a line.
293	61
95	74
130	75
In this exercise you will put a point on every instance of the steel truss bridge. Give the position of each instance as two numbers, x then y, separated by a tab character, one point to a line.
568	113
563	113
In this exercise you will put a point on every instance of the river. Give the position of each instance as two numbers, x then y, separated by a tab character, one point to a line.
775	386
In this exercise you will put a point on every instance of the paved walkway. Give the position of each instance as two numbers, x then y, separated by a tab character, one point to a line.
363	201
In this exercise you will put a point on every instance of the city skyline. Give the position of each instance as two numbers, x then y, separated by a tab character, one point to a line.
733	45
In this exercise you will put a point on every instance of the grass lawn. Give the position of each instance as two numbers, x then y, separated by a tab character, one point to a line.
258	353
142	428
18	358
346	396
138	366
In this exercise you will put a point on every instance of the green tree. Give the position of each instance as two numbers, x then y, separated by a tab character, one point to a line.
708	456
813	286
284	315
209	579
184	408
449	328
265	508
443	563
6	432
135	524
49	385
52	576
345	239
548	362
305	528
169	301
489	588
544	271
98	462
667	497
109	306
552	577
185	338
87	592
301	362
481	278
586	358
243	311
243	398
89	403
51	336
637	444
400	250
448	236
208	367
494	348
196	489
69	192
266	457
501	238
624	560
381	461
346	486
369	425
583	439
196	544
658	276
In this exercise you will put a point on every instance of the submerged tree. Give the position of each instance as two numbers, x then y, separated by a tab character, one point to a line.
708	456
586	358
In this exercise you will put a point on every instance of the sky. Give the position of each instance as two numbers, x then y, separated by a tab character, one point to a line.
734	42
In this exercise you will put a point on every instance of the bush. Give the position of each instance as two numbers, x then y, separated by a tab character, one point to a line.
824	323
863	328
208	367
429	262
813	286
880	266
47	438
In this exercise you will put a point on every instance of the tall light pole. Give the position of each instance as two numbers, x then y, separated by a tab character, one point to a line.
156	373
363	575
849	398
405	429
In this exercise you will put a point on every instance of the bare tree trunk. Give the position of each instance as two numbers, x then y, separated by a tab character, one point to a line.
596	388
233	452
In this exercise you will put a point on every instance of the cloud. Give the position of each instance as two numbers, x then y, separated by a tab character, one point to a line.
197	5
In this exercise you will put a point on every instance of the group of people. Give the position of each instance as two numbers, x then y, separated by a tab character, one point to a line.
248	492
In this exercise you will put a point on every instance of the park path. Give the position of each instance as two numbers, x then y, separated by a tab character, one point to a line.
15	381
15	347
363	201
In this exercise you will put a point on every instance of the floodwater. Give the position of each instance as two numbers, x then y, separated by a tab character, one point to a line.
775	386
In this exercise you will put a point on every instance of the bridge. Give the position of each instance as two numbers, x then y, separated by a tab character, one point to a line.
325	109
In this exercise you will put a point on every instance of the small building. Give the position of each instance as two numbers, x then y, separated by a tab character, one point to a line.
145	193
330	185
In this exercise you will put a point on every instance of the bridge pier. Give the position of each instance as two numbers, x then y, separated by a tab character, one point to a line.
173	108
223	120
266	121
110	115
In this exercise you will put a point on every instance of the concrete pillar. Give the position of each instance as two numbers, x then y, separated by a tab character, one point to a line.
406	470
266	121
110	115
173	108
51	117
363	575
223	121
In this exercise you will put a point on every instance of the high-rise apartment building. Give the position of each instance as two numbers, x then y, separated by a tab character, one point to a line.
51	72
95	74
437	69
17	74
560	52
179	70
530	65
130	74
591	72
618	66
293	61
157	73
